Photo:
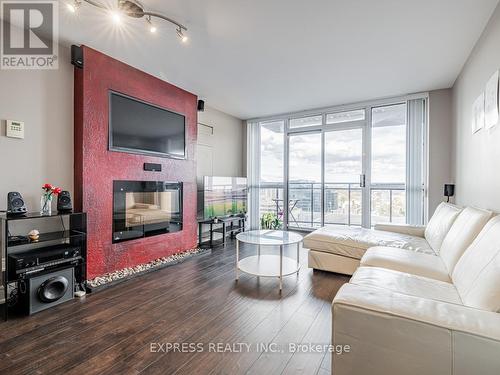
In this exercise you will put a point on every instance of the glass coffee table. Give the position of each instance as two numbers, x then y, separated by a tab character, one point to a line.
268	265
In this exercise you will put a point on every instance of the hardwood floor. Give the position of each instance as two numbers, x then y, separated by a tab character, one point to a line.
197	301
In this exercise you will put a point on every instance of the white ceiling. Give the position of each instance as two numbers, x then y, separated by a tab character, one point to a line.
253	58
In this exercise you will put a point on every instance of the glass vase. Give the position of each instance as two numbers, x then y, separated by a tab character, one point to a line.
46	204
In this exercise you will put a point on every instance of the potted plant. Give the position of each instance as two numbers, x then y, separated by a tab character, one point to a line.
270	220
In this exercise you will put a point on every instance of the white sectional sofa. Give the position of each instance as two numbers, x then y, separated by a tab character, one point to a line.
444	319
409	311
421	300
460	235
340	248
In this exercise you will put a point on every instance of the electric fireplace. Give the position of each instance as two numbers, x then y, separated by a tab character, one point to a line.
146	208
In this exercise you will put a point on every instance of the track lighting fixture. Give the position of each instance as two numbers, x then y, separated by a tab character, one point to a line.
133	9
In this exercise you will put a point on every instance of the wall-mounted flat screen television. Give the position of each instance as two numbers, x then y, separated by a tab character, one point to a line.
139	127
224	196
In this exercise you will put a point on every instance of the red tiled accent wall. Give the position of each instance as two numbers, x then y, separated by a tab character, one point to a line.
96	167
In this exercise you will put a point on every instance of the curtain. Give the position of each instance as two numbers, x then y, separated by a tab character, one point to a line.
415	187
253	173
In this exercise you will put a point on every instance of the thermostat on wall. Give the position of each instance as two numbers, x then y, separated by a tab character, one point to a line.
15	129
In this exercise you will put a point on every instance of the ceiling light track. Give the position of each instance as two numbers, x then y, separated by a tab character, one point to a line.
134	9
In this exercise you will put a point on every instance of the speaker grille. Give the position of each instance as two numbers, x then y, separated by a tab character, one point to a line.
64	200
17	202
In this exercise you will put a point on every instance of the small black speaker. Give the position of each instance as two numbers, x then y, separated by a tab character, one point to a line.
64	201
201	105
77	56
15	203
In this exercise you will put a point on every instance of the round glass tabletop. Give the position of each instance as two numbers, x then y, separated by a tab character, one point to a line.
269	237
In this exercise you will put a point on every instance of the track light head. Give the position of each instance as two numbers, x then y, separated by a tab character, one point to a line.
116	16
152	27
73	6
181	35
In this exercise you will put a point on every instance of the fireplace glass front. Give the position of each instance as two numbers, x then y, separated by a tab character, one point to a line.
146	208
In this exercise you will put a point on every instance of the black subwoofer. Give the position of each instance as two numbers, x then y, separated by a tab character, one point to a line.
45	291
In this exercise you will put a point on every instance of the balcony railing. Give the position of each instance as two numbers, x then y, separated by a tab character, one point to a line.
342	203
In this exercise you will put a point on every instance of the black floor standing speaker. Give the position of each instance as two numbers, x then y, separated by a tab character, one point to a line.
45	291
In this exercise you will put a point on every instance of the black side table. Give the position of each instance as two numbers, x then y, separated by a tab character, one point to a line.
231	225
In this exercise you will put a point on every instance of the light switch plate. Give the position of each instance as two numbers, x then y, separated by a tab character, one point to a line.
15	129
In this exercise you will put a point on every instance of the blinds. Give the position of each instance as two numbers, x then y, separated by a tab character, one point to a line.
253	173
415	187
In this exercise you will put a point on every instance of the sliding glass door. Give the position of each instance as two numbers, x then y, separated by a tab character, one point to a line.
304	180
344	177
326	177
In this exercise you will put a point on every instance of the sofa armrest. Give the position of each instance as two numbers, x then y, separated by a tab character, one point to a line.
412	230
391	332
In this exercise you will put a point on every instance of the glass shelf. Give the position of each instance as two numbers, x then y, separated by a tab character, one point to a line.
46	237
37	215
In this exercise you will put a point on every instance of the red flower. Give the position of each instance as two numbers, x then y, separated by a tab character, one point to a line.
56	191
47	187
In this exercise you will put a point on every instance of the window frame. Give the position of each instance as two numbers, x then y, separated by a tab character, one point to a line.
368	106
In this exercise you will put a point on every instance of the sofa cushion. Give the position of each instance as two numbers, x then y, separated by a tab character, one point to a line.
406	261
440	223
411	230
354	241
477	273
405	283
464	230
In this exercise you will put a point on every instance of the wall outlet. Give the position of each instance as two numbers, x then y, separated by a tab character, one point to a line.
15	129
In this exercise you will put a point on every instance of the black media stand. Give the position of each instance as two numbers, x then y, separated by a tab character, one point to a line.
227	225
60	248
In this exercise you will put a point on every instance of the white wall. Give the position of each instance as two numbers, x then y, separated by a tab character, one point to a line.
440	143
43	99
221	149
227	142
476	157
